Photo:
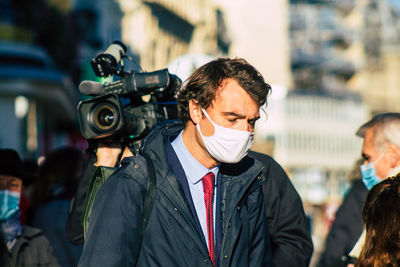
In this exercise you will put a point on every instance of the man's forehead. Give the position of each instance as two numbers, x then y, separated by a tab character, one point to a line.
227	83
368	148
230	91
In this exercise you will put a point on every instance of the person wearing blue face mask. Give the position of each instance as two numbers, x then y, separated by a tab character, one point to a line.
380	159
368	173
381	148
19	245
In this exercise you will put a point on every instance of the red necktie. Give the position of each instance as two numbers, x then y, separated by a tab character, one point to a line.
208	188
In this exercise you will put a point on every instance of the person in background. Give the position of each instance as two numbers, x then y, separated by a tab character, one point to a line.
57	180
381	215
20	245
381	158
348	224
291	242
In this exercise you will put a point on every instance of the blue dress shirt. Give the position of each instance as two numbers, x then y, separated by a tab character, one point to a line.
194	172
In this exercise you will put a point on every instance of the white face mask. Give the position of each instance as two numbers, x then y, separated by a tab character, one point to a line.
227	145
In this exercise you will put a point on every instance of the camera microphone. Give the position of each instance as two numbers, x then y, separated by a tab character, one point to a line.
96	88
140	84
91	88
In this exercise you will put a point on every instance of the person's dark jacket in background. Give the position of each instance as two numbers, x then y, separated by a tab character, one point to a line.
51	217
288	227
346	229
31	249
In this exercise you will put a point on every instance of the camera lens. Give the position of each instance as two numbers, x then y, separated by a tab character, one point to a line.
104	117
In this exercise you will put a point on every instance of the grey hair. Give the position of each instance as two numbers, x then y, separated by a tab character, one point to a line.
386	130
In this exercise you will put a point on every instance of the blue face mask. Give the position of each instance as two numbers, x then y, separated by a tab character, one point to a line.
9	204
368	175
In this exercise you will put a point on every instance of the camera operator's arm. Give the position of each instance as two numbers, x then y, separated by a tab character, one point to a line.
107	155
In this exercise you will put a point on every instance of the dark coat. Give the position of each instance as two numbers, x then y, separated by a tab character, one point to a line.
172	237
347	227
31	249
51	218
287	224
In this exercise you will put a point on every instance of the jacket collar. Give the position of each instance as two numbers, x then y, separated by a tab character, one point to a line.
238	178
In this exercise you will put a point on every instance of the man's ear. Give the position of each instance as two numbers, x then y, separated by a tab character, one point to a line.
394	153
195	111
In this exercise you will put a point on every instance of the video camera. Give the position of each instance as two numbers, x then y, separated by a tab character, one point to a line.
124	110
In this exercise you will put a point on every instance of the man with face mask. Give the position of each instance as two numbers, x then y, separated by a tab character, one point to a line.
381	148
208	208
381	159
19	245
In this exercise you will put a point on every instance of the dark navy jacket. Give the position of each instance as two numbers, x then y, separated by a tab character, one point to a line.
172	236
346	229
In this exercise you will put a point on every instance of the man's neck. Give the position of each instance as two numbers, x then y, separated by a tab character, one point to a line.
193	143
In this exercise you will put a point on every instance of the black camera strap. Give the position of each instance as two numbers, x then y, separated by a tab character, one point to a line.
150	193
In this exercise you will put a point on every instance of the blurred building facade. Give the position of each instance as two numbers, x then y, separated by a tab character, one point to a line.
378	81
320	43
259	33
347	47
159	31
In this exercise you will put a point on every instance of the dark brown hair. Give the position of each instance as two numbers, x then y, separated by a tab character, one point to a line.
202	85
381	214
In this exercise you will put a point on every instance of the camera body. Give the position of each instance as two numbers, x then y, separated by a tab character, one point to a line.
125	110
107	117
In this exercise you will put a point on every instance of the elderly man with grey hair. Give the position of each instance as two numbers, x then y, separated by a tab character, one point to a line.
381	148
381	159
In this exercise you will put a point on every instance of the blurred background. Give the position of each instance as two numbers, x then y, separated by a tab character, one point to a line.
332	65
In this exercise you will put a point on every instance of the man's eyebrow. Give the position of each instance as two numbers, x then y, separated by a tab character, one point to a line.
234	114
240	116
254	119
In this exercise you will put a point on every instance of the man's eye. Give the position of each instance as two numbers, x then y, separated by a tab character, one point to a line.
252	123
232	120
14	185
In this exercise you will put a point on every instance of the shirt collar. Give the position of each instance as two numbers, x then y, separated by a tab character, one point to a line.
194	170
